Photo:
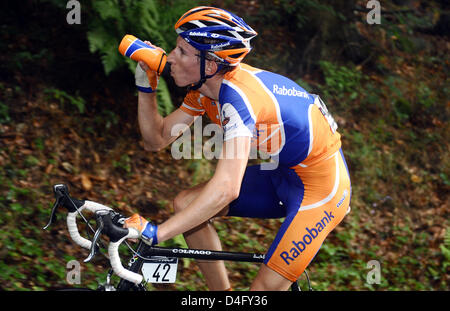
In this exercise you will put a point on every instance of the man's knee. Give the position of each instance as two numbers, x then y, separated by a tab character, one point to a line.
269	280
180	202
185	197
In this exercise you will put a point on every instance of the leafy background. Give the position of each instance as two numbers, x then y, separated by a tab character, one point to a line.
68	114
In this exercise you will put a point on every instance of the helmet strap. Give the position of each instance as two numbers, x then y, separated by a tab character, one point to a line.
203	75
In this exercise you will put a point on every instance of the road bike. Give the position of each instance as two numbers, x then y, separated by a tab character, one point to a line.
148	264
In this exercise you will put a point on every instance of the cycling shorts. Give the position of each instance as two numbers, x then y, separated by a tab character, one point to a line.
312	199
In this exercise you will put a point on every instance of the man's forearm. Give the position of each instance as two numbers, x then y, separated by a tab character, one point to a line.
151	123
213	198
217	193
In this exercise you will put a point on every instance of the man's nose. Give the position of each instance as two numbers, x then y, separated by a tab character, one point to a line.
170	57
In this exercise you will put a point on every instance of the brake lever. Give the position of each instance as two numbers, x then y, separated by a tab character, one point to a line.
60	190
100	225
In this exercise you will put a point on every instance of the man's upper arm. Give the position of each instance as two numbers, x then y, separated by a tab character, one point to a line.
176	123
233	162
182	118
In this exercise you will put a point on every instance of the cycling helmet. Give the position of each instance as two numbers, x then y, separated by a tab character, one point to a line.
217	32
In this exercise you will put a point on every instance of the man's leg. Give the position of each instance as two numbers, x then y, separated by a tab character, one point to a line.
314	211
204	237
269	280
256	199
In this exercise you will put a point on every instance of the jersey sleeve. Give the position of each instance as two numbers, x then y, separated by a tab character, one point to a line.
192	104
237	115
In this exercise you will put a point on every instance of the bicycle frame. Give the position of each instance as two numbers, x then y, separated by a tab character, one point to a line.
143	252
204	254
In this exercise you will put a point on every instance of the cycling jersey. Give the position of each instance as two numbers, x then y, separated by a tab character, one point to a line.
311	185
280	116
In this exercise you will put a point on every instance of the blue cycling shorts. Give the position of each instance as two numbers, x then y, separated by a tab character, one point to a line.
312	199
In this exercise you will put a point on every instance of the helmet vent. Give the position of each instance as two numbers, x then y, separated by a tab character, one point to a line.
188	26
237	55
231	24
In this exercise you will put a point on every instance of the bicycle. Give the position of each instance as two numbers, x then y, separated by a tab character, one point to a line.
148	264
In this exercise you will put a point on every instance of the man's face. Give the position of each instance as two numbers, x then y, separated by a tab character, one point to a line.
185	68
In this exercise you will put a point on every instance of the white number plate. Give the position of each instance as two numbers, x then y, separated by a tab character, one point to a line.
160	270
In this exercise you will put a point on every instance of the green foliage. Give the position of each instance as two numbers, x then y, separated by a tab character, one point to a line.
445	249
62	98
124	164
148	20
177	241
151	20
4	108
341	83
4	113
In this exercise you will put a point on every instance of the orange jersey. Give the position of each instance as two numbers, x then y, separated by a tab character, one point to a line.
280	116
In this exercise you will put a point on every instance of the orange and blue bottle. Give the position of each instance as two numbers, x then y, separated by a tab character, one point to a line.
138	50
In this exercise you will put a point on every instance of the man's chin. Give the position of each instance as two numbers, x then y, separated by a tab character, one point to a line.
183	85
178	84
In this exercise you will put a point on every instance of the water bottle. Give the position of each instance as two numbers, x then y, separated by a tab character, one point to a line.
137	50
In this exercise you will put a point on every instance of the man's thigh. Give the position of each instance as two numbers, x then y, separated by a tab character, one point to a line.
324	204
258	197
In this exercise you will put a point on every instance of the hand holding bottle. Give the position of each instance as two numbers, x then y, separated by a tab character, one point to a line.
138	50
151	61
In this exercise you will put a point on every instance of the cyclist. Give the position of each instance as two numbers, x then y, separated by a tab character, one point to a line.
309	182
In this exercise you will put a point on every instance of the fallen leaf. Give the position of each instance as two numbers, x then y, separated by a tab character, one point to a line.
67	166
86	182
96	157
49	169
97	177
416	179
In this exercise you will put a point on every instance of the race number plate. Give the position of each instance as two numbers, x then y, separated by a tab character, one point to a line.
160	270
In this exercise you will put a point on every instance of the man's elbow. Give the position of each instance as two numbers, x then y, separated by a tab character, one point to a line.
231	193
226	189
153	147
234	193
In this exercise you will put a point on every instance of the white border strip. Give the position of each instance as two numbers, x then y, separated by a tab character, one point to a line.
333	192
311	132
190	108
243	96
277	109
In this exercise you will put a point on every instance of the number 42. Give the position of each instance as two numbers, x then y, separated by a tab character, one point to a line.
166	269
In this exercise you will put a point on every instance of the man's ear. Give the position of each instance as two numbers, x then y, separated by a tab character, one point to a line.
211	67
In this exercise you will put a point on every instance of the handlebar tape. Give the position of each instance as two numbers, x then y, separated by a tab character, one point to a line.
114	258
72	224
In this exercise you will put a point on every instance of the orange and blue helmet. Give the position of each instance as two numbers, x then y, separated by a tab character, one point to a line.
217	32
